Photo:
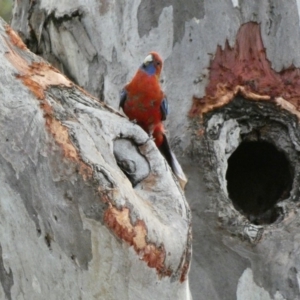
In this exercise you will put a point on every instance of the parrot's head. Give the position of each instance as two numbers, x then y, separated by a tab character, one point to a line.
152	64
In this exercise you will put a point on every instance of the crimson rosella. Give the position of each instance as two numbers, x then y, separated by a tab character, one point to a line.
143	101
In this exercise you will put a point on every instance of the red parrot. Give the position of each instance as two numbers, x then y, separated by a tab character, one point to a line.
143	101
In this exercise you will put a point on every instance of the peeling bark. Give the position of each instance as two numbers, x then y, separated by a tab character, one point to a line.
247	140
245	70
231	78
243	73
71	204
135	235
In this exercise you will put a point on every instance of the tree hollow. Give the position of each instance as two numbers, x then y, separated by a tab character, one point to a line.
258	177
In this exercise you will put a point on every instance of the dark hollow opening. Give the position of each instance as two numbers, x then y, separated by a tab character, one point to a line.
258	176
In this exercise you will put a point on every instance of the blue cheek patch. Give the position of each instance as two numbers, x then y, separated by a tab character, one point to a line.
150	69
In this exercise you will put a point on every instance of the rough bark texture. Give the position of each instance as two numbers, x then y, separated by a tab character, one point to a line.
73	226
230	73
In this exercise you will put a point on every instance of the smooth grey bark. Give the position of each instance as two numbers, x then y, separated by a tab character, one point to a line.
73	226
100	46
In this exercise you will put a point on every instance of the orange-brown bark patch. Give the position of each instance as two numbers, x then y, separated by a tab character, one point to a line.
149	182
14	38
40	72
61	136
38	76
184	272
34	87
135	235
282	103
245	70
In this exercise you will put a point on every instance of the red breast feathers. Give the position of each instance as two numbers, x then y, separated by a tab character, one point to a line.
144	95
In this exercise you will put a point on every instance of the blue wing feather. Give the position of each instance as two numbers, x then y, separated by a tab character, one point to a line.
164	108
123	97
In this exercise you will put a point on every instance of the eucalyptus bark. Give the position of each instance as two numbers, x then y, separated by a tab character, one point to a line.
231	77
74	225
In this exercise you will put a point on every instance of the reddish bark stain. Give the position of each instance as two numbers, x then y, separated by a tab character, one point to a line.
61	136
184	272
135	235
37	77
34	87
245	70
14	38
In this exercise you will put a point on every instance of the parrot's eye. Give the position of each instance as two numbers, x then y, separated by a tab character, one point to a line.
158	63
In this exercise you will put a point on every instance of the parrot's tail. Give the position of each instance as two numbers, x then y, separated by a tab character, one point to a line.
165	149
170	157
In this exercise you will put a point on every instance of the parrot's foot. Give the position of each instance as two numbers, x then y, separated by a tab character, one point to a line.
151	137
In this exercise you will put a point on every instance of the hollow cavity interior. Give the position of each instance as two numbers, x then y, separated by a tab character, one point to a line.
258	177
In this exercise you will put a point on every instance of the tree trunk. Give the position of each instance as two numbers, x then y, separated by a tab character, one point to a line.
73	225
232	79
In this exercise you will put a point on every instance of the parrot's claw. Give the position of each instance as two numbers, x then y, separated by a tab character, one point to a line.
150	138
